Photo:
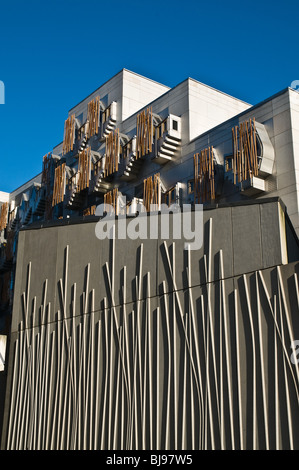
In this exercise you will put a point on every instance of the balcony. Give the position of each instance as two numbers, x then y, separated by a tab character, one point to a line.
129	164
108	119
99	182
39	206
168	136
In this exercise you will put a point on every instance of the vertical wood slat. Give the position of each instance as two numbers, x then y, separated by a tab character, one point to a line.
4	216
84	168
204	175
144	138
59	184
152	192
69	134
245	162
111	200
112	153
93	114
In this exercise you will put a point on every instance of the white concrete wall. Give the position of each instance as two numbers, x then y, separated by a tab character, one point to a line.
112	88
130	90
137	92
2	352
294	107
209	107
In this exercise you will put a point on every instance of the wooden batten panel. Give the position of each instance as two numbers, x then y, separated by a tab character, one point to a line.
90	210
69	134
46	182
93	113
46	169
84	169
59	185
112	153
245	162
111	199
152	192
204	181
3	216
144	133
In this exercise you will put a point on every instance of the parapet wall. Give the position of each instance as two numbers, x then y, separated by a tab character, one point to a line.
139	344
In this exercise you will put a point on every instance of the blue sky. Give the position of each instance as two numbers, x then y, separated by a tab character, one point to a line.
54	53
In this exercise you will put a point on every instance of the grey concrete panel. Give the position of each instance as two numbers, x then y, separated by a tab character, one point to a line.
41	251
220	333
271	235
246	239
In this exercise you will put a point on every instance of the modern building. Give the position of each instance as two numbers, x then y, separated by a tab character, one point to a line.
147	342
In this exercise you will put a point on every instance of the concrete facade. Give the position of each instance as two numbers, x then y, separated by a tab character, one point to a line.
141	344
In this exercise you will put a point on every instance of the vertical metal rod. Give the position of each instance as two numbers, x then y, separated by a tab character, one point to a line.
222	424
22	395
46	375
184	400
63	438
91	409
195	335
286	381
134	404
254	408
175	367
286	353
98	396
150	362
144	397
276	380
181	319
122	445
227	352
139	356
167	442
158	365
188	328
239	381
106	375
264	392
116	404
110	384
13	396
289	324
57	387
87	390
51	385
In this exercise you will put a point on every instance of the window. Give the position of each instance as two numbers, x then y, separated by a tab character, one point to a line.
175	125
